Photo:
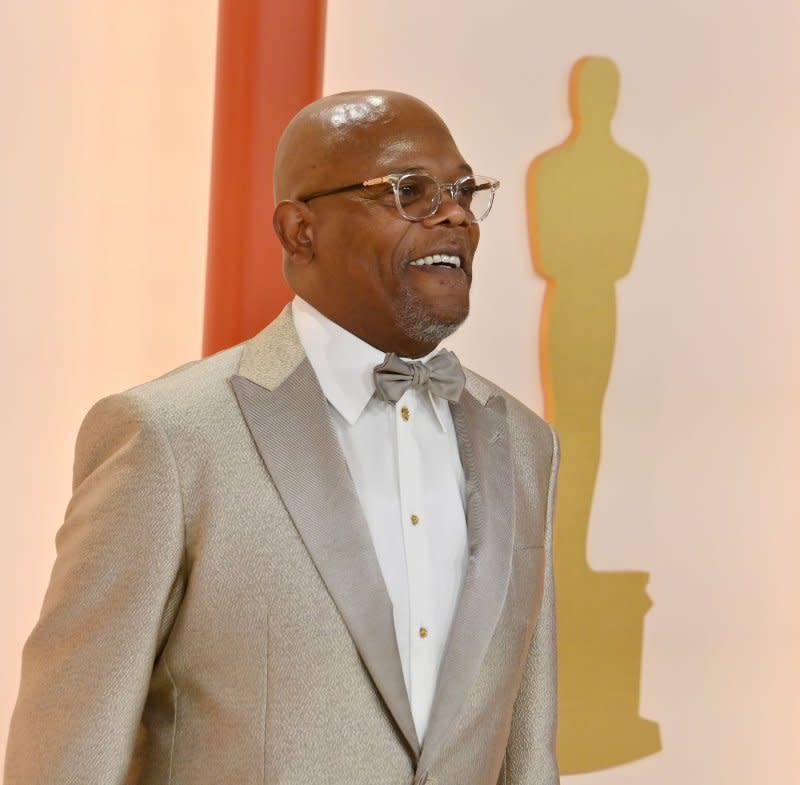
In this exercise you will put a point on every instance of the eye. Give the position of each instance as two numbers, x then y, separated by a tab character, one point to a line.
413	188
466	191
408	190
476	194
468	186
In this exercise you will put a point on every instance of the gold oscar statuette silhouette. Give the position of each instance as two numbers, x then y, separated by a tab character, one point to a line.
586	201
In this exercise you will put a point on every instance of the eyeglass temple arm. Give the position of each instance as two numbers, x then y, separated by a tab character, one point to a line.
330	191
389	178
492	185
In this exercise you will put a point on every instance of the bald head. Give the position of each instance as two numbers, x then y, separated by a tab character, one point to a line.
336	135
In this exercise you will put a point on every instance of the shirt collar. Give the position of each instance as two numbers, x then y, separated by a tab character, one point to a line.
343	362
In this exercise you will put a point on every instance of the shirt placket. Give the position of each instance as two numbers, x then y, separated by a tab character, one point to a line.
423	632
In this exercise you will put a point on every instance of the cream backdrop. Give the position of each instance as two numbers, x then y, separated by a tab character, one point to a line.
106	127
105	141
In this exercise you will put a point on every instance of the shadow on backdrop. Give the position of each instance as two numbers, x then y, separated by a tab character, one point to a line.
586	201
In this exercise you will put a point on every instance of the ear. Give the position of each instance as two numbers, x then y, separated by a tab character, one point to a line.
294	225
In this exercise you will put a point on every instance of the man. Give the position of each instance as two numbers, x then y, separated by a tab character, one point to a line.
305	560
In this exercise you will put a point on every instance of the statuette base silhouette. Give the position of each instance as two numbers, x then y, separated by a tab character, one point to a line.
599	671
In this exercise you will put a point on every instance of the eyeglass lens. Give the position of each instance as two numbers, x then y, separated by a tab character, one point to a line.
418	195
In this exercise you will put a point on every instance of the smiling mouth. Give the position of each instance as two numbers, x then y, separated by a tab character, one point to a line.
437	260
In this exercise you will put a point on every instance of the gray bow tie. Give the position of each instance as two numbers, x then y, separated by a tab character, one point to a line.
442	375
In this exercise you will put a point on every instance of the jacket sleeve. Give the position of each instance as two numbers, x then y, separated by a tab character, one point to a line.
531	750
116	583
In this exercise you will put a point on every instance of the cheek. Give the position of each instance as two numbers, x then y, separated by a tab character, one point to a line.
475	235
364	241
358	262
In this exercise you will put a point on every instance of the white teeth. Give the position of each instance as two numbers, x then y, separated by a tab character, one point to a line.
438	258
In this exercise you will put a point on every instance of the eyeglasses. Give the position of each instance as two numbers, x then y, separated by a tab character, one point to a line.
418	195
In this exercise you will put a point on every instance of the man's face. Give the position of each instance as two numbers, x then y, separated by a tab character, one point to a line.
365	250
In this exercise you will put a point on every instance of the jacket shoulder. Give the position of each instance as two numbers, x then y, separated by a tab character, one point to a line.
521	417
190	396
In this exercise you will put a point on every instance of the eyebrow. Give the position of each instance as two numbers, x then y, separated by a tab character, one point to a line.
465	167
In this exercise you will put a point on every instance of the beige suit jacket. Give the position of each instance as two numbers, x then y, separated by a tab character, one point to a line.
216	614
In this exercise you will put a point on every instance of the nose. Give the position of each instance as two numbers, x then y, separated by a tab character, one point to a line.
450	211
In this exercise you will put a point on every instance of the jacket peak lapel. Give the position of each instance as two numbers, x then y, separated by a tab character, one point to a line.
483	439
291	427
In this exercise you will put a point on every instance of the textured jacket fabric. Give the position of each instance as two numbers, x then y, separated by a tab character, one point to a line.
216	613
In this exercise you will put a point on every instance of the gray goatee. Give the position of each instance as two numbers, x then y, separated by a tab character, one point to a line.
415	320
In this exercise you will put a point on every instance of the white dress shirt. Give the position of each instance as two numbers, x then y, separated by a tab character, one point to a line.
405	464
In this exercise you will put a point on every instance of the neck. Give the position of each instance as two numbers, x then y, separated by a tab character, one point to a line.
382	337
402	346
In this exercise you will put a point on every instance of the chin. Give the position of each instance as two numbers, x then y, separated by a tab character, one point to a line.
434	332
425	324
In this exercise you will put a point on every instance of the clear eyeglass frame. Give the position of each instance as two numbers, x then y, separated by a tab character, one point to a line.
399	180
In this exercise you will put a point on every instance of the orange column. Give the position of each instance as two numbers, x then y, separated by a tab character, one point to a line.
269	65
